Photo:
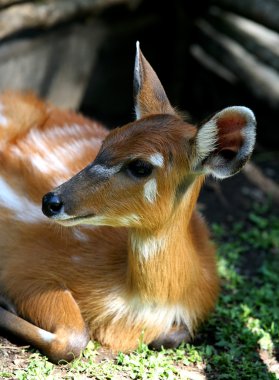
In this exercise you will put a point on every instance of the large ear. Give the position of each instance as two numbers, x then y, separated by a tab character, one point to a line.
149	94
225	142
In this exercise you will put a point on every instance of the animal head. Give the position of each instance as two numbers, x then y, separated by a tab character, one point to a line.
145	169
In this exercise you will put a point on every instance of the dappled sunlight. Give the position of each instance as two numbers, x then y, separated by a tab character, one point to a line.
245	324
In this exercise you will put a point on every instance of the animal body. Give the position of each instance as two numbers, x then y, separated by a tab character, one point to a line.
136	261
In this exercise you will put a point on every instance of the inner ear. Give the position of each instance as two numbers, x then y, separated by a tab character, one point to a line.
228	154
226	141
149	94
231	125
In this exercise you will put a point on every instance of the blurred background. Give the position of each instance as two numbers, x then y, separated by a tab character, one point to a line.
208	55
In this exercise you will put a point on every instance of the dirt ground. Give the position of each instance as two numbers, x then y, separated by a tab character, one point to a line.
220	202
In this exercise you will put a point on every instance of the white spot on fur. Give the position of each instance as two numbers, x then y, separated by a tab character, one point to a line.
46	336
66	130
76	259
23	208
55	159
80	235
149	315
147	247
150	190
3	119
50	164
157	159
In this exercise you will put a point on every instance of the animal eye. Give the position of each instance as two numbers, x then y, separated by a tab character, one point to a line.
139	168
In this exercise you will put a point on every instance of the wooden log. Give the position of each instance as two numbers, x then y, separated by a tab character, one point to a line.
262	80
7	3
47	13
263	43
56	66
265	12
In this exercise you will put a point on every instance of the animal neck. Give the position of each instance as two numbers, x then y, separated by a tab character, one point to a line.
161	260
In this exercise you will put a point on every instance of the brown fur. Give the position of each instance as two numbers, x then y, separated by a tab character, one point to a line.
36	264
71	281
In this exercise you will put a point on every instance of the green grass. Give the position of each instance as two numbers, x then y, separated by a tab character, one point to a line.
244	326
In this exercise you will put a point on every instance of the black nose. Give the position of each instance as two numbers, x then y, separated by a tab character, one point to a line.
51	205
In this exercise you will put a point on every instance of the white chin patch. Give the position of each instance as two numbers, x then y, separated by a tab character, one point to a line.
120	221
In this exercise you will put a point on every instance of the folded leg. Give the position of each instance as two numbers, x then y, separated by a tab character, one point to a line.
49	321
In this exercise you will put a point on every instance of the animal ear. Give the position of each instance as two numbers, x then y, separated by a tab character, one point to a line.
225	142
149	94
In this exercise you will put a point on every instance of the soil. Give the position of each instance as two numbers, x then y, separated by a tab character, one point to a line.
221	202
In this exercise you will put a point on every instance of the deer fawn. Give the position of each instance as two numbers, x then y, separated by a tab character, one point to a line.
137	260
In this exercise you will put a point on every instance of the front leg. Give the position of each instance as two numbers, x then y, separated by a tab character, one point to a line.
49	321
172	339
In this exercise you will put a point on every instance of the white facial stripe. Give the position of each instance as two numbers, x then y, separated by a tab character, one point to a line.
157	159
23	208
148	247
137	312
104	170
3	119
150	190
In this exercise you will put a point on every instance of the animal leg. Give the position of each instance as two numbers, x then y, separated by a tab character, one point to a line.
51	322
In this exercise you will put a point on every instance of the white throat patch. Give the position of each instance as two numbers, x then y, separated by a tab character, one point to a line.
147	247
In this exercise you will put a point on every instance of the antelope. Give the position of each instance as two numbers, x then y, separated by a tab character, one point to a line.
136	261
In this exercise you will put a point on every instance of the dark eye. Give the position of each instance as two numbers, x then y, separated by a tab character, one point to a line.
139	168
